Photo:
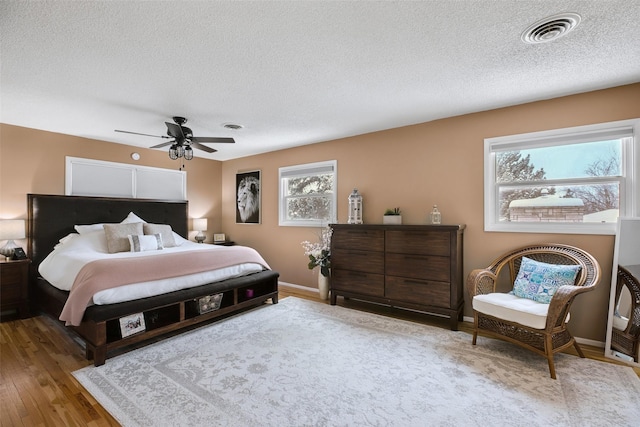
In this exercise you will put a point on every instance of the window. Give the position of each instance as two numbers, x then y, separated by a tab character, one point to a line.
308	194
575	180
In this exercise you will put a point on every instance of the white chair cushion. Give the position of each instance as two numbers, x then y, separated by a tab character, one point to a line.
513	309
620	323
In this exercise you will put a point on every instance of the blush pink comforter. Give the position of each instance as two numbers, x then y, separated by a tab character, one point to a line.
110	273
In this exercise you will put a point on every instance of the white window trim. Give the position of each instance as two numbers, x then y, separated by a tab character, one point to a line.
290	170
122	180
629	189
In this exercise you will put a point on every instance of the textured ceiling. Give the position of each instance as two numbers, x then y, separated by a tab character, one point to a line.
294	73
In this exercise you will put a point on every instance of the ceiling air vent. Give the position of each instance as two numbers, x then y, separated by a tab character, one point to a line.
551	28
232	126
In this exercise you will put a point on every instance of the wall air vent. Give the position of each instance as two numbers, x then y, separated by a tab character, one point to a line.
551	28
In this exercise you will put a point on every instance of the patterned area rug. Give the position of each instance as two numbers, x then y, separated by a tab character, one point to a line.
302	363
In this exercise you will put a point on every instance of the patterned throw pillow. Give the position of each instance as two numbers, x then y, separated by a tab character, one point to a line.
538	281
142	243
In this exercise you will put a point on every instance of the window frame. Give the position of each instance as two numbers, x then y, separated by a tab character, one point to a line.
301	170
629	181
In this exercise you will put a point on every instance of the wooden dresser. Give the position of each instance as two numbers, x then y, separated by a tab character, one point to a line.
416	267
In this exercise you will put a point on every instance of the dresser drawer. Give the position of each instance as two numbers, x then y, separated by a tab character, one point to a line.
418	243
357	282
11	274
368	262
436	268
358	239
437	294
13	283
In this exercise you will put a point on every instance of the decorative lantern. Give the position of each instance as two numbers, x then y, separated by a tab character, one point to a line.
355	208
436	216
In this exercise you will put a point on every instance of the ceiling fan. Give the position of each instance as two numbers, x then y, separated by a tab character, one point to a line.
182	139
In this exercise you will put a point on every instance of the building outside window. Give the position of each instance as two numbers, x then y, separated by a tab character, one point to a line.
574	180
308	194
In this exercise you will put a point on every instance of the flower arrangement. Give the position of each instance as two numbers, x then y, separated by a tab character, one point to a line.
319	253
394	211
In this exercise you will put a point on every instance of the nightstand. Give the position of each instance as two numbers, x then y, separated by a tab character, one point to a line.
225	243
14	286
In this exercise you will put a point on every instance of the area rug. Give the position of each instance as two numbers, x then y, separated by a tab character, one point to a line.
303	363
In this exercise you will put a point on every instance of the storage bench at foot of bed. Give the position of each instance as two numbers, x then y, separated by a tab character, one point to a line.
101	330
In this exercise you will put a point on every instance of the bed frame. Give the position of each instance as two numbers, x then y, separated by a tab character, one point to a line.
51	217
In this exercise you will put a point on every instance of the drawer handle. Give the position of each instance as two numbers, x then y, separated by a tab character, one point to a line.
415	282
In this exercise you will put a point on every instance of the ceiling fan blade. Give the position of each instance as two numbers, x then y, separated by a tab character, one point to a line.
212	139
174	130
164	144
143	134
202	147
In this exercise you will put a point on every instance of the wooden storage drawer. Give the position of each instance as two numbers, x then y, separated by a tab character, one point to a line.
357	282
423	292
369	262
12	273
418	243
10	292
436	268
358	239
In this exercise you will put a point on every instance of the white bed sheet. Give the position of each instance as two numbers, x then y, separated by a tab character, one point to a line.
61	267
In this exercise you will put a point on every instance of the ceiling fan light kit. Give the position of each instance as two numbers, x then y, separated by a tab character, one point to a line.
182	140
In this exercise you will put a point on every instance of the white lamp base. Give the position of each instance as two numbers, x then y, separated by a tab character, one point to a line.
7	250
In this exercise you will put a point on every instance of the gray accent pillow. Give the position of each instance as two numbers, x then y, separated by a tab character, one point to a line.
164	230
118	236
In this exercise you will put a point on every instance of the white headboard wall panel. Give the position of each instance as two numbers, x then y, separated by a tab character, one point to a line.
88	177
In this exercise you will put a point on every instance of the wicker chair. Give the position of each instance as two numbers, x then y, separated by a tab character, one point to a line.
625	336
548	334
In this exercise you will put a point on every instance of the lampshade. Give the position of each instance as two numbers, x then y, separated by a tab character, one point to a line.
200	224
12	229
188	153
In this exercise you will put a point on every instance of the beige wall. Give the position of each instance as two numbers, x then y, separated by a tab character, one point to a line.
413	167
33	161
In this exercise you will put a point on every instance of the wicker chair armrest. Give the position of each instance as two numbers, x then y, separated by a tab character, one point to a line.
561	299
480	282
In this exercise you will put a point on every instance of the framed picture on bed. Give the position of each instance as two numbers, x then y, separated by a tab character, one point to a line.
132	324
248	197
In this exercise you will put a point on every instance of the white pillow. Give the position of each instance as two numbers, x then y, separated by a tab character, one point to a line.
142	243
86	242
178	239
132	218
89	228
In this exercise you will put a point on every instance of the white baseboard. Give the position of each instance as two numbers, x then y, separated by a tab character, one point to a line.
469	319
299	287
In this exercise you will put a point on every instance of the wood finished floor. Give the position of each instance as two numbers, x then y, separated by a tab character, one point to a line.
38	355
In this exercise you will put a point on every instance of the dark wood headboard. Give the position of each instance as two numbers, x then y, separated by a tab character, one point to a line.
51	217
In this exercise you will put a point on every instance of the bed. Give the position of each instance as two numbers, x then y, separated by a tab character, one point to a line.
102	325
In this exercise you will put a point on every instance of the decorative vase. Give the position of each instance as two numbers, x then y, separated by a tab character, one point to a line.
323	286
392	219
